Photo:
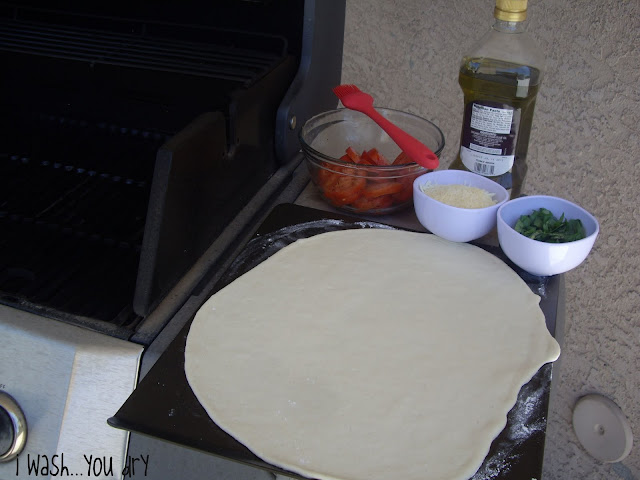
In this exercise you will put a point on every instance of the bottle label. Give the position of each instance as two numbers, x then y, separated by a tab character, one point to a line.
488	138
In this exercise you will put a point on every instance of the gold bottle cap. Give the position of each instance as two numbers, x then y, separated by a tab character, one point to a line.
511	10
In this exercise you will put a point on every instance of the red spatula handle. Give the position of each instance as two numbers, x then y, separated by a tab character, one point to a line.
416	150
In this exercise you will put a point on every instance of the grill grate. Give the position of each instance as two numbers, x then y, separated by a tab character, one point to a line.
72	233
225	61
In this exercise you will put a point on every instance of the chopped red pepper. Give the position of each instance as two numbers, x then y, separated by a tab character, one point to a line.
358	188
402	159
353	155
377	157
373	190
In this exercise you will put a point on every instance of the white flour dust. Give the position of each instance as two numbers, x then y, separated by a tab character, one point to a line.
526	419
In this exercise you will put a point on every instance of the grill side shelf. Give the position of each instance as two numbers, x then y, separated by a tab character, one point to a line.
164	406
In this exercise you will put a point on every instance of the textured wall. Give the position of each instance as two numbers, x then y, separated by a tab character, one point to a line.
585	147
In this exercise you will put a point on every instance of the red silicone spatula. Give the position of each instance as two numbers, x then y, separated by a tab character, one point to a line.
355	99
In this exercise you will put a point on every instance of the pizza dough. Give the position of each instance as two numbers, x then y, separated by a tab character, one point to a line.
369	354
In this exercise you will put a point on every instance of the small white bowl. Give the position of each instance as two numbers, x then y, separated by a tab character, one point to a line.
454	223
542	258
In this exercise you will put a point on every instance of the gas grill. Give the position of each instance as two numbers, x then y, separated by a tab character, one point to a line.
139	148
147	157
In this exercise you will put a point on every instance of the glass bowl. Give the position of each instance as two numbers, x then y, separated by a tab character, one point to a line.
362	188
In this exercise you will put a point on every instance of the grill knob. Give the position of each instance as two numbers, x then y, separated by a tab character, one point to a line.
13	428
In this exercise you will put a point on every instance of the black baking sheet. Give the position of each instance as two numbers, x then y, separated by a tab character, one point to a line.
164	406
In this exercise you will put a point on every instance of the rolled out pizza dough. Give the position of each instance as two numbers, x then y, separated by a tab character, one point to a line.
369	354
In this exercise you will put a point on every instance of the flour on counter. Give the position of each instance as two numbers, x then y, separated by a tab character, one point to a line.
527	421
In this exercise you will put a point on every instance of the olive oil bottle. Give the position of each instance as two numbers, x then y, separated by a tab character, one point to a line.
500	78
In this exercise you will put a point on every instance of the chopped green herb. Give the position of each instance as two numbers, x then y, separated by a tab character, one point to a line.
543	226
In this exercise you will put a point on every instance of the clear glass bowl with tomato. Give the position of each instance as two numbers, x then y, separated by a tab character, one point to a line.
357	167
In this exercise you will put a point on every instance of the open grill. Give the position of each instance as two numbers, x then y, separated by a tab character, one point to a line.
114	134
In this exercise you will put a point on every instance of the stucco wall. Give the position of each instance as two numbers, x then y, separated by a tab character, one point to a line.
584	147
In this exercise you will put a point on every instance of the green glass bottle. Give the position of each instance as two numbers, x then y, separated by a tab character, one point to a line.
500	78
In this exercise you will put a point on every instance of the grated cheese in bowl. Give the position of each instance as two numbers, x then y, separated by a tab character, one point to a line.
461	196
457	205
